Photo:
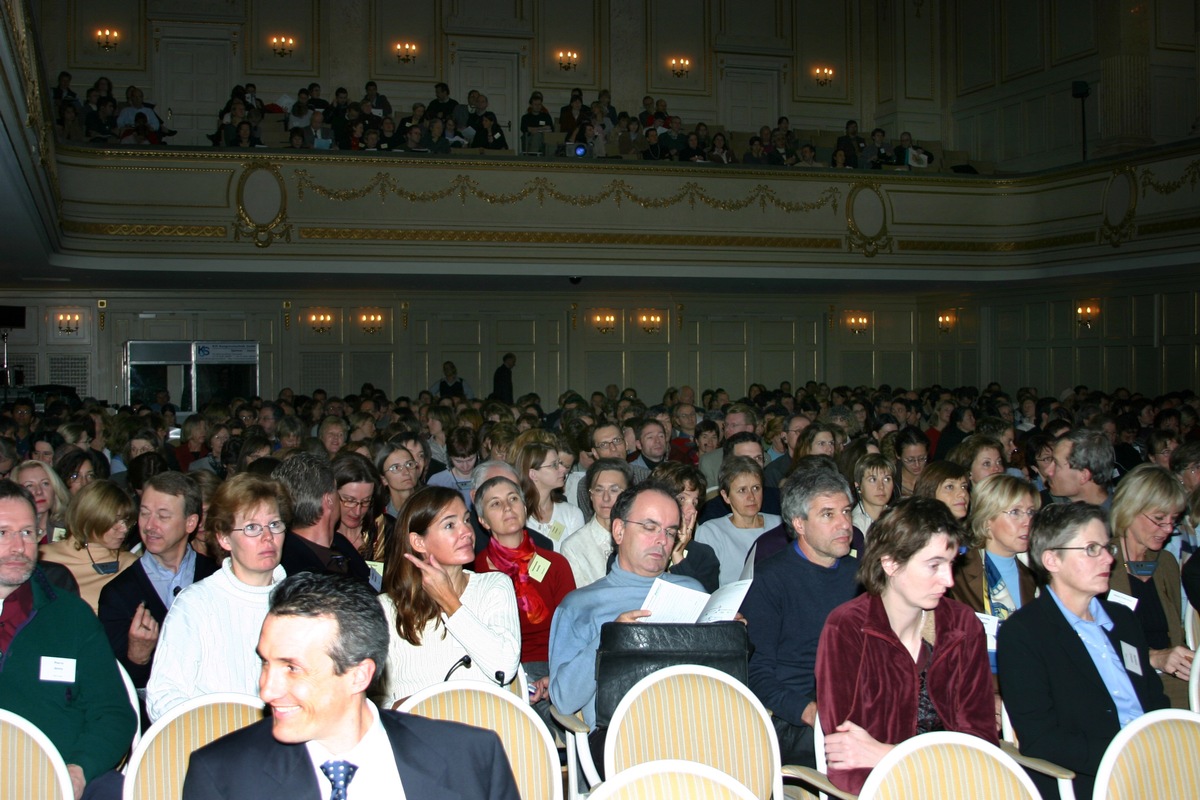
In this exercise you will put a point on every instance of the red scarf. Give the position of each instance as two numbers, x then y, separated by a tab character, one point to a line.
514	562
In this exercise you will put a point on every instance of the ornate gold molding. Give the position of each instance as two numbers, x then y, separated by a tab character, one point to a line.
144	230
566	237
974	246
1190	177
262	234
870	245
618	191
1123	230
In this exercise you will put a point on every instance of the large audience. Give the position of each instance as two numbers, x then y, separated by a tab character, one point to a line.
584	130
917	556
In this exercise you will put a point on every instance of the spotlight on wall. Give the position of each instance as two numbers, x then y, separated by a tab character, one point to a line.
371	322
650	321
680	67
282	45
857	322
945	321
321	323
604	321
568	60
106	39
68	324
1086	313
406	52
823	76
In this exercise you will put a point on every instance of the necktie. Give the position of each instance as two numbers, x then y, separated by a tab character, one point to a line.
340	774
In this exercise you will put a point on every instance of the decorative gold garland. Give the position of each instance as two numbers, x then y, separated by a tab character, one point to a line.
1190	177
618	191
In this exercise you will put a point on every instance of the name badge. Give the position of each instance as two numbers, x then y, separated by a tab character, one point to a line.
1129	655
853	553
1123	599
538	567
375	576
991	625
58	670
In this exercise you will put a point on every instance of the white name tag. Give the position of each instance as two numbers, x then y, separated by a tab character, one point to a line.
991	625
375	576
1120	597
59	670
1129	655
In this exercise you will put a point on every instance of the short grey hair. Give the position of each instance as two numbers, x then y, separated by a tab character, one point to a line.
799	490
1054	526
1092	451
479	474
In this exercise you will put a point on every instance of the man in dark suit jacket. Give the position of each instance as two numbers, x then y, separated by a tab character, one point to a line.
168	516
1060	704
320	644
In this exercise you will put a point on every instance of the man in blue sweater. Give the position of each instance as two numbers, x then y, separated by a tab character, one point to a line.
792	594
645	523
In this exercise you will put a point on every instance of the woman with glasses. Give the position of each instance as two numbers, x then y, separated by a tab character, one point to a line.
1160	445
217	436
589	549
446	622
78	468
542	478
208	639
1074	669
902	658
399	470
98	520
362	520
1147	503
912	454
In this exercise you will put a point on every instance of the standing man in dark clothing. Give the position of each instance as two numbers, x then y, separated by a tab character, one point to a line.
502	380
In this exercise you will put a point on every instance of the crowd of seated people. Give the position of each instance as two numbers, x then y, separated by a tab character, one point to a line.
947	538
588	130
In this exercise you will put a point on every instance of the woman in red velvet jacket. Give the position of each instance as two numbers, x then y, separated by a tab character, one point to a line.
902	659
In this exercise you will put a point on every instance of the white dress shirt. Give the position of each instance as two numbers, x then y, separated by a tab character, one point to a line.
377	775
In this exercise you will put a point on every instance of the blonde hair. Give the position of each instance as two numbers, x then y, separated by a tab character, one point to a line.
96	508
991	497
1145	488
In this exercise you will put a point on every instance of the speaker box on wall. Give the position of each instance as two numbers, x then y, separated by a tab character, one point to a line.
12	317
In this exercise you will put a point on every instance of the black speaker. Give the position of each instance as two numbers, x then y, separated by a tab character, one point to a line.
1079	89
12	317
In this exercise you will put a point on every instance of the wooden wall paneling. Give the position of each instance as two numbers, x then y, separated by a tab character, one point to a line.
268	375
975	45
885	51
1116	318
1062	319
766	30
127	17
1009	369
602	367
1036	367
1022	39
1144	309
893	326
1037	124
824	35
1175	26
1072	30
921	57
647	370
569	26
169	328
1179	364
1178	315
217	328
321	370
375	366
1118	367
1147	371
857	367
681	29
299	20
1060	369
1089	367
519	337
413	23
461	340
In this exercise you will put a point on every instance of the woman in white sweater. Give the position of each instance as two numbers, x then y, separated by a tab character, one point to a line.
209	636
447	623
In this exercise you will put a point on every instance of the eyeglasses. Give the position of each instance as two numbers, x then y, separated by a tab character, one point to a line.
123	524
1015	514
407	466
253	530
606	491
551	465
350	502
85	477
1094	549
1165	522
914	460
611	444
654	529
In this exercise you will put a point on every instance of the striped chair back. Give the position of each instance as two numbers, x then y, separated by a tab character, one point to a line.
948	764
1153	756
527	742
698	714
32	766
159	763
672	778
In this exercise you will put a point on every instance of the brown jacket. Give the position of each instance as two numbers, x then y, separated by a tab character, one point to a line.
969	580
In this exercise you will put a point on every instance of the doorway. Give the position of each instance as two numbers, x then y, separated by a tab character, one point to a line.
495	75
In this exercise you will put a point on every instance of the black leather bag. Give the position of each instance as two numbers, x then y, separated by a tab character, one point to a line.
631	651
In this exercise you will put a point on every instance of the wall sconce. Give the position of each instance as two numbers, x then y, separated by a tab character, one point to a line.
282	45
857	322
371	322
650	321
945	321
107	40
823	76
68	324
406	53
605	322
680	67
1087	313
321	323
568	60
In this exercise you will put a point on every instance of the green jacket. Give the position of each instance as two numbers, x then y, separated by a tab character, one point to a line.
89	720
